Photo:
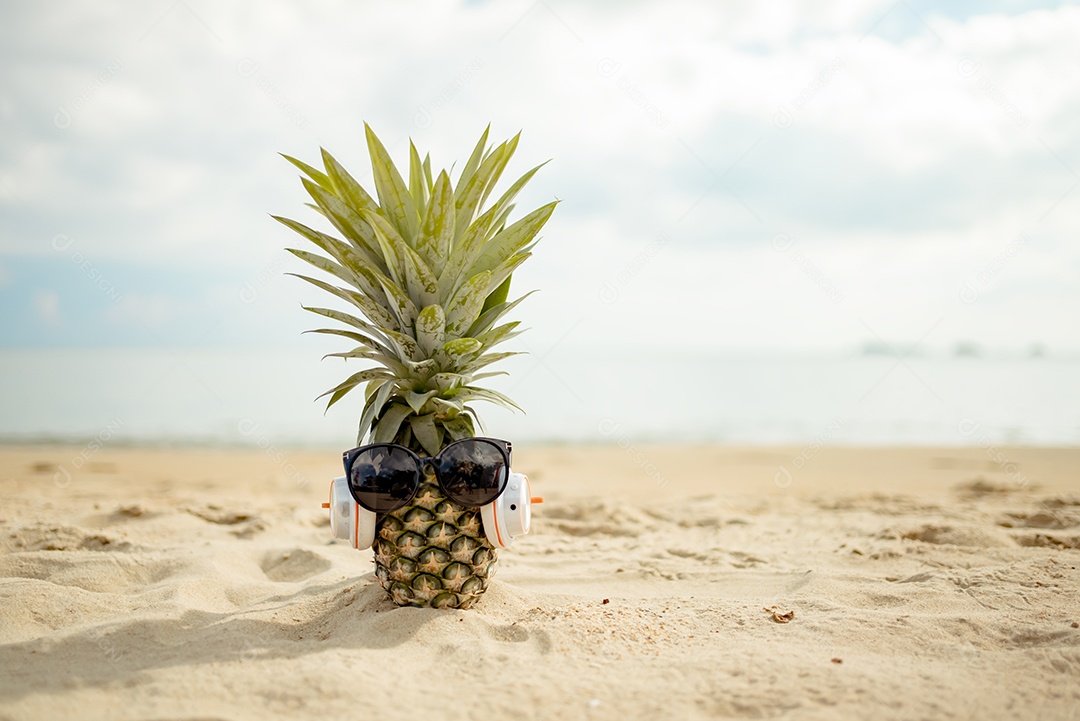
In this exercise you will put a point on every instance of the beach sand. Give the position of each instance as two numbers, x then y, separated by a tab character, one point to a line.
658	582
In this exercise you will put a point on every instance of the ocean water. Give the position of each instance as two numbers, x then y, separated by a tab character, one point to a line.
265	397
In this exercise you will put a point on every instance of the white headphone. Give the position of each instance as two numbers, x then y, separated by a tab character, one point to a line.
504	519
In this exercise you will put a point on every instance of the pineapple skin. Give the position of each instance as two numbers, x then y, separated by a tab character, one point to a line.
433	552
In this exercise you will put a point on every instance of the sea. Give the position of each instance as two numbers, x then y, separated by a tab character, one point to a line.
266	397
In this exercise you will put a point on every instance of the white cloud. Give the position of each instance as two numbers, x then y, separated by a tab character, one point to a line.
911	154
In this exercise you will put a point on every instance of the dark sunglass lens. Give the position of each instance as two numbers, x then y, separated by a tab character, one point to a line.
472	472
383	478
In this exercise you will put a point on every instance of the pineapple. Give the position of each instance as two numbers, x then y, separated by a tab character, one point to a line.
426	272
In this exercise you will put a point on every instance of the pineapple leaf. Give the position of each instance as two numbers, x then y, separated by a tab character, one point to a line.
331	245
378	350
386	428
437	232
486	360
375	312
339	391
453	352
369	280
407	349
513	238
419	279
378	392
409	270
500	277
361	352
422	370
491	316
446	382
511	147
464	309
358	337
427	174
356	259
328	266
417	400
470	194
446	407
492	374
417	183
505	201
400	303
463	254
392	364
425	431
469	393
430	329
459	427
345	186
338	395
495	336
394	197
497	296
372	387
377	333
474	160
314	173
345	219
390	243
498	224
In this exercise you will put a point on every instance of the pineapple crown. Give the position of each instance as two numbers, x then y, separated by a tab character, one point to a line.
429	271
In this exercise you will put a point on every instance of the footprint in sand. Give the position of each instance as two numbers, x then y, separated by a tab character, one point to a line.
221	516
1052	519
293	565
244	525
112	573
600	519
979	488
539	640
50	537
508	634
942	535
1049	540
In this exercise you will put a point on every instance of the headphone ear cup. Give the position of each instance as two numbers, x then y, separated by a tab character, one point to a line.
349	521
509	515
364	527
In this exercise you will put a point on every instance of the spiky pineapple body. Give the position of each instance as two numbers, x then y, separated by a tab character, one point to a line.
433	552
428	267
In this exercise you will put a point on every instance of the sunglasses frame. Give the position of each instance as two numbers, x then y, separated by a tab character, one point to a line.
349	457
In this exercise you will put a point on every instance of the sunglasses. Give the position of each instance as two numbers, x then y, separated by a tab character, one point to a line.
383	477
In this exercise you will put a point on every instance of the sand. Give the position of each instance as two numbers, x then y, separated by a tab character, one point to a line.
801	583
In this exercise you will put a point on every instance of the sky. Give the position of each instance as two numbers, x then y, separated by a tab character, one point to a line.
792	176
